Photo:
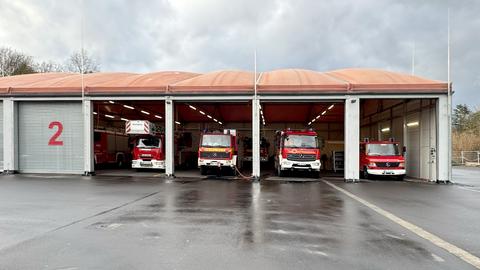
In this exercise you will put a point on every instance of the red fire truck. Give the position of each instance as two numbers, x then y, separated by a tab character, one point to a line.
381	158
148	146
247	150
297	150
218	150
148	152
110	148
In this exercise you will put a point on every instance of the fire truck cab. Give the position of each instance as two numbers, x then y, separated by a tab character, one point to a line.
148	152
381	158
297	150
148	146
218	150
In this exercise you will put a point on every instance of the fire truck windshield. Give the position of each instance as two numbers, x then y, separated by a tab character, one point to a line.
300	141
150	142
384	149
211	140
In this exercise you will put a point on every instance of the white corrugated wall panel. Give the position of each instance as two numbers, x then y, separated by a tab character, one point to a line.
1	135
37	151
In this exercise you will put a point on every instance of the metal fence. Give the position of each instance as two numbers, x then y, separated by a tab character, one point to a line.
471	158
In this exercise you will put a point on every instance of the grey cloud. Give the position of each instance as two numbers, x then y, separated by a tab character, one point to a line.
149	35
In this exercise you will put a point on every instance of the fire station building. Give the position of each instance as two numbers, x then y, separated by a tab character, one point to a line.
51	120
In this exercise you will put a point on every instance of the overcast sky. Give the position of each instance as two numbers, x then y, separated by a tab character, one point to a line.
207	35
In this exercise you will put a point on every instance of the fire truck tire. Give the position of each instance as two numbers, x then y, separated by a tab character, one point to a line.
120	162
365	173
280	173
316	174
203	170
400	177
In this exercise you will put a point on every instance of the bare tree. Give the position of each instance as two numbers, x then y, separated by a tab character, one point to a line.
74	63
14	63
49	66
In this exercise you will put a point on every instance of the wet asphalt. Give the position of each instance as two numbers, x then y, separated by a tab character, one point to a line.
115	222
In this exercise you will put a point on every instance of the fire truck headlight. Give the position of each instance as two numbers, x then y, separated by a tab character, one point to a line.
401	165
372	164
200	160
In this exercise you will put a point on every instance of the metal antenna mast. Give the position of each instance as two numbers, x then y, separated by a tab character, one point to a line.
449	99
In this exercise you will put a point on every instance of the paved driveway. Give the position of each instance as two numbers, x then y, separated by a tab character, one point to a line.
72	222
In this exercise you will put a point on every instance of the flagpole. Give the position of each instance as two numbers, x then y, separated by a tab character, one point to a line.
413	58
449	98
82	49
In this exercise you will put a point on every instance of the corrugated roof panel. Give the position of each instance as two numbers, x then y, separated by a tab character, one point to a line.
219	81
371	80
286	80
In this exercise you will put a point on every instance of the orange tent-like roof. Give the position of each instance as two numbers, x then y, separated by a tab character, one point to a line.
286	81
361	79
219	81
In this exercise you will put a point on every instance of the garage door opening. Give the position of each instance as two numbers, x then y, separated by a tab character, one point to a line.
398	138
211	139
121	146
289	130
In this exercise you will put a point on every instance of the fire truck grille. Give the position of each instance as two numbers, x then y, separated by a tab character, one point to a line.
387	164
214	155
301	157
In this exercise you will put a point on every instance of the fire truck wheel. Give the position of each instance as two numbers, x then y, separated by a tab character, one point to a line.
120	163
279	171
365	174
316	174
203	170
400	177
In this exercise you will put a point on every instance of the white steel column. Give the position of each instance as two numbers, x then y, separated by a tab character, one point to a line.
10	164
352	139
443	140
169	138
88	154
255	138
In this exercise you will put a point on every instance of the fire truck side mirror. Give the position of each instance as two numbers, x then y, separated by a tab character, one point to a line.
404	150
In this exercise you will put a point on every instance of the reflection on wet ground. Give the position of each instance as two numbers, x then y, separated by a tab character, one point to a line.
180	224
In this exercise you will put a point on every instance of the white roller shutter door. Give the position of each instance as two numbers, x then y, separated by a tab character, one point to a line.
50	137
1	135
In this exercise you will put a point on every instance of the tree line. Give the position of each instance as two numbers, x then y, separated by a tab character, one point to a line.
466	128
13	62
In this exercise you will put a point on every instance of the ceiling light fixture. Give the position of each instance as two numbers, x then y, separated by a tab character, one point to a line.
412	124
109	116
202	112
145	112
331	106
191	107
128	107
176	122
158	116
95	113
111	102
324	112
124	119
209	116
387	129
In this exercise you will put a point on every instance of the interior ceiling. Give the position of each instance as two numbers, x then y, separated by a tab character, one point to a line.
274	112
